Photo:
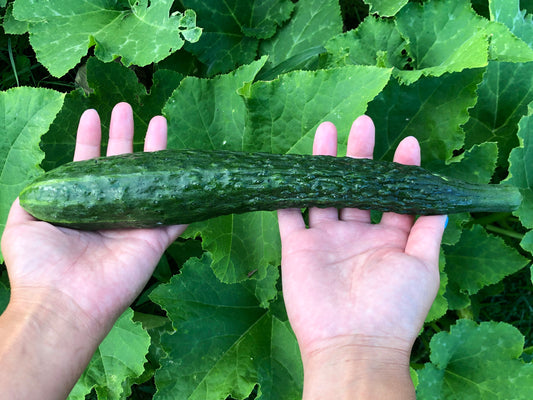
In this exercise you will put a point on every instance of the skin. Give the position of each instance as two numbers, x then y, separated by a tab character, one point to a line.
59	295
356	293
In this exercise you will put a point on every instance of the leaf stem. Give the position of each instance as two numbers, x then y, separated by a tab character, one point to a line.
505	232
12	60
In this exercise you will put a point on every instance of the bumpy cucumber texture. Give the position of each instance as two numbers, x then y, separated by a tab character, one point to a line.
182	186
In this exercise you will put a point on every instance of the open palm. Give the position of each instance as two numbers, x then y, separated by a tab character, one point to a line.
346	279
99	272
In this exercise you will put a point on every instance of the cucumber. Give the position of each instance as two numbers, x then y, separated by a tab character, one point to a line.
182	186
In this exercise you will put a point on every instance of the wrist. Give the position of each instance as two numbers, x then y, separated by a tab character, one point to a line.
358	368
45	309
60	347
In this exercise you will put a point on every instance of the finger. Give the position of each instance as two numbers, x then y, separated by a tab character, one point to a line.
290	220
88	137
362	138
407	152
325	143
156	134
156	139
120	130
425	238
360	145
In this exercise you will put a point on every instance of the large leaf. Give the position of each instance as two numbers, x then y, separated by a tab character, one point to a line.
432	110
476	362
139	32
478	260
301	39
240	244
386	8
376	42
504	93
283	114
25	115
475	165
442	36
107	84
505	46
209	114
511	32
116	363
428	39
509	13
225	342
232	30
506	90
521	173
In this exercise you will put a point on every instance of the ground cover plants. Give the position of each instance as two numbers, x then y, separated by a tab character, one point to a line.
260	76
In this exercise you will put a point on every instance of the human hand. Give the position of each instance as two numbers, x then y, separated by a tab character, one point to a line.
99	273
358	293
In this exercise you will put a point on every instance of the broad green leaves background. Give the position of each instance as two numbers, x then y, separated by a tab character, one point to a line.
260	76
140	32
25	115
455	363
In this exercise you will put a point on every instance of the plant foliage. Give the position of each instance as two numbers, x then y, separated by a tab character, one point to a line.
260	76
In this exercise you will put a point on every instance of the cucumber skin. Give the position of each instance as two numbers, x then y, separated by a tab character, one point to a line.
182	186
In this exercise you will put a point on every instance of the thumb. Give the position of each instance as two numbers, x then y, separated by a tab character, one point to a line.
425	238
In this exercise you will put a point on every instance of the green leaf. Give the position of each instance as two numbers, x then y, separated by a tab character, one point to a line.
432	42
240	244
476	362
116	363
386	8
475	165
527	242
432	110
507	88
508	12
61	31
520	172
442	36
25	115
521	167
503	96
209	113
108	84
232	30
225	342
505	46
469	270
11	25
266	289
375	42
284	113
311	25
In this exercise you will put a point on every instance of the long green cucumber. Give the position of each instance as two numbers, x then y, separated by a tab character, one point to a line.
183	186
